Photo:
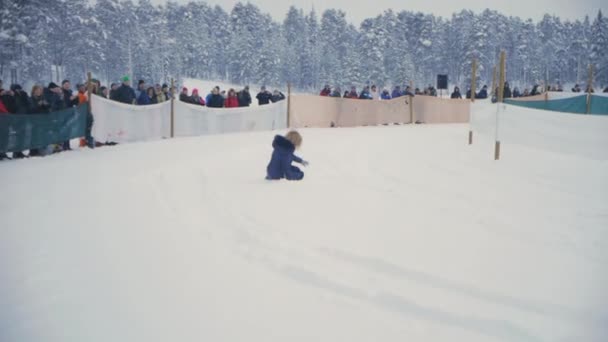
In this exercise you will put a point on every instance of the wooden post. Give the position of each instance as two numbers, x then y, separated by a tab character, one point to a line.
89	90
412	103
501	85
288	104
500	97
589	85
473	80
493	80
172	108
546	84
497	150
473	89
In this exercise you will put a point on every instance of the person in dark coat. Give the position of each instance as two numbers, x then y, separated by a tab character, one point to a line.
283	155
396	92
468	94
516	92
165	89
589	90
277	96
141	88
22	100
183	96
535	90
38	103
125	93
365	94
216	100
605	90
483	93
54	96
576	89
352	94
244	97
264	96
385	95
456	94
70	99
326	91
507	91
336	93
113	88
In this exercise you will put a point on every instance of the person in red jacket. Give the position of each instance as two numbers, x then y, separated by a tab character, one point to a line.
231	100
3	109
326	91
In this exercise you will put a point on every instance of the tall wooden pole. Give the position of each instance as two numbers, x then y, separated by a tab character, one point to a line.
288	104
172	108
493	80
473	79
500	97
412	103
589	85
473	86
89	90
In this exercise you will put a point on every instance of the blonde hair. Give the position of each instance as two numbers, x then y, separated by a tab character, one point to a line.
34	88
295	138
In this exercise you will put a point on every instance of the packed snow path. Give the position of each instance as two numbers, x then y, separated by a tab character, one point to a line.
400	233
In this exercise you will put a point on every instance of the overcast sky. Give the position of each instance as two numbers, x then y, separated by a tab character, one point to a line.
357	10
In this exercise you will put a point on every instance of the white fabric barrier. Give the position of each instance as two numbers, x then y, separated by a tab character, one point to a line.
122	123
119	122
193	120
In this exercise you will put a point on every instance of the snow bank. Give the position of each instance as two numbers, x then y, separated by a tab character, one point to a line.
397	233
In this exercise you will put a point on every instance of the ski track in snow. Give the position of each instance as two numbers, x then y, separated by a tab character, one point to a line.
399	232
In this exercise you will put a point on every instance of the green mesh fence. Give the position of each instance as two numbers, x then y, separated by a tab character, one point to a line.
599	105
576	104
24	132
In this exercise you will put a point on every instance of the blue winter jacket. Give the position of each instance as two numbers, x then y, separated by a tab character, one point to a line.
143	99
397	93
385	96
282	157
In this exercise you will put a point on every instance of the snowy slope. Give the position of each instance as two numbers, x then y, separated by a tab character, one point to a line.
400	233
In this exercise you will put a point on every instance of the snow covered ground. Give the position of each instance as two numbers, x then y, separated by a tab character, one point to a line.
399	233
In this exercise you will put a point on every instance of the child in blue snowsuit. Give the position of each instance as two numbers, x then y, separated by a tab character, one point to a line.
282	157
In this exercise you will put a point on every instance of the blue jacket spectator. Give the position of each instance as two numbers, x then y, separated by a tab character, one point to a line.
144	99
215	99
282	157
397	92
385	95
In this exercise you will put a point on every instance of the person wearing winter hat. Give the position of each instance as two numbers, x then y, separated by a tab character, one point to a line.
183	96
54	96
125	93
196	98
